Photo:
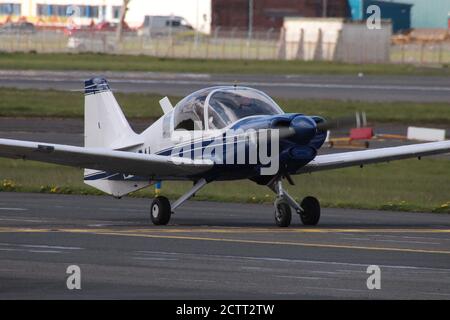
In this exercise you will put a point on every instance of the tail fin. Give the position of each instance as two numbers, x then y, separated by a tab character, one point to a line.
105	126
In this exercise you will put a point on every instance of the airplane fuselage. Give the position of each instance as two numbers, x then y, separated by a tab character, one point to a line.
294	151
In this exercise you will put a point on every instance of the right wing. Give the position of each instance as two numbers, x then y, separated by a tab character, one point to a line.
154	167
359	158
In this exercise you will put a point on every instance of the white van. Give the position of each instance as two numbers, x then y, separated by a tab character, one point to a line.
164	25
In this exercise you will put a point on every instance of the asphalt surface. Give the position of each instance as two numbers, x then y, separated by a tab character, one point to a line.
215	250
341	87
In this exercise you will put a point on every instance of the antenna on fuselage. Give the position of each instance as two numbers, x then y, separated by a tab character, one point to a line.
166	105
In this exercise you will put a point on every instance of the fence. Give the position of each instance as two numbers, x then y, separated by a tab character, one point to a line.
231	44
220	44
421	53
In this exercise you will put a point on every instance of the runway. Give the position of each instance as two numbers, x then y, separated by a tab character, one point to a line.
340	87
215	250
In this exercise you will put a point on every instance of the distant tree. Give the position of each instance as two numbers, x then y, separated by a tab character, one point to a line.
123	14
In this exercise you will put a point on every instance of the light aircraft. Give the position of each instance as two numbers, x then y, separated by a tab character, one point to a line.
118	161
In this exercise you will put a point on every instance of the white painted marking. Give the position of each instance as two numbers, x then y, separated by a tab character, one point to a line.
121	210
44	251
21	220
437	294
51	247
286	293
13	209
357	239
404	241
337	289
31	251
265	259
257	83
289	84
161	252
301	278
187	280
324	272
99	225
351	271
30	246
155	259
256	268
426	238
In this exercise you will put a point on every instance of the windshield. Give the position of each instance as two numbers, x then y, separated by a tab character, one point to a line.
189	112
226	106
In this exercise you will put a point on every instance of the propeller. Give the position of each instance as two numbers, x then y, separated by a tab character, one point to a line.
357	120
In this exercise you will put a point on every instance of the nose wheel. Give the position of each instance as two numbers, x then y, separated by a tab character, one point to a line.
308	210
283	214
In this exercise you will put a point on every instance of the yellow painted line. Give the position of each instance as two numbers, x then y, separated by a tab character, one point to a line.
246	241
238	230
300	244
292	230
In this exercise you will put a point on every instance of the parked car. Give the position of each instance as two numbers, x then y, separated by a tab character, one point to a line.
110	26
92	42
17	28
97	38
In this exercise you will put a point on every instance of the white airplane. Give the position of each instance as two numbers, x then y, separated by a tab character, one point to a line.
118	161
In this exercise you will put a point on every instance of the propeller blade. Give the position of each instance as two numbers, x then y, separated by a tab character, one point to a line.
285	132
357	120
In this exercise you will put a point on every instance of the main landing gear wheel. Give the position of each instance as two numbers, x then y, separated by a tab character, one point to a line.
160	211
283	214
310	215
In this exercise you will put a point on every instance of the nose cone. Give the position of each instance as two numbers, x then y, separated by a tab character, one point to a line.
305	129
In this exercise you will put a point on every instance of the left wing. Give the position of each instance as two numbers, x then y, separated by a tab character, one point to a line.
359	158
146	165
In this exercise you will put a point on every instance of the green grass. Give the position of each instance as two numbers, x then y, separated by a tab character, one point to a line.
410	185
36	103
101	62
50	103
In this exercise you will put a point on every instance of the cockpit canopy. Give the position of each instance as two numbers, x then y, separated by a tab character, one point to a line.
219	107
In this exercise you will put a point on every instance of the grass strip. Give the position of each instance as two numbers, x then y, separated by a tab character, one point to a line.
409	185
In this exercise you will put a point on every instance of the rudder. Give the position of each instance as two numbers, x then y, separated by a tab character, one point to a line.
105	126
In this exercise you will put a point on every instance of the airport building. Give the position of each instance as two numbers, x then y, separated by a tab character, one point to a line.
433	14
398	13
406	14
269	14
56	12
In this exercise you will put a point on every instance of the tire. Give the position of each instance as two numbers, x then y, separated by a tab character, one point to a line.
283	214
311	211
160	211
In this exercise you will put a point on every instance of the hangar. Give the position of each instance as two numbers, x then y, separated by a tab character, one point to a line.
271	13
